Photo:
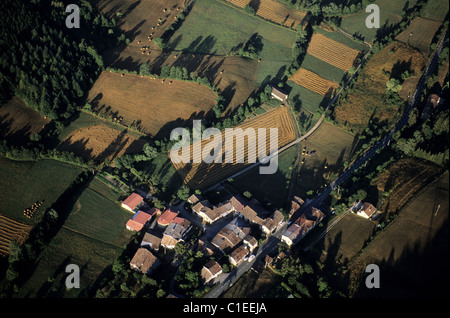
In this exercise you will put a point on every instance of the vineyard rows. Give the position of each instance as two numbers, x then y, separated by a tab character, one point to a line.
11	230
195	174
332	52
312	81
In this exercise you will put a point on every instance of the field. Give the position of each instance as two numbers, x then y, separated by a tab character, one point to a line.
390	13
333	146
404	178
367	97
141	19
151	105
274	11
313	82
412	252
332	52
18	121
213	27
435	10
92	237
345	239
419	34
24	183
11	230
270	189
99	142
203	175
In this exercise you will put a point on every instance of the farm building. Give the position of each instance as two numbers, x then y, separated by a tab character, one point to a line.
133	202
296	204
366	210
151	240
279	94
305	223
210	213
138	221
175	232
144	261
167	217
238	255
433	101
210	270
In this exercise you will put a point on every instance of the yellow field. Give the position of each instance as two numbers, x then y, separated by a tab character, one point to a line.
11	230
203	175
313	82
332	52
274	11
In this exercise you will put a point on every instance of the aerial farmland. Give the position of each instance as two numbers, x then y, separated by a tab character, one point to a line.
200	149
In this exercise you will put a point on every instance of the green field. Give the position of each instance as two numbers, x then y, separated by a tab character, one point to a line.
390	13
271	189
92	237
216	28
22	183
304	99
435	10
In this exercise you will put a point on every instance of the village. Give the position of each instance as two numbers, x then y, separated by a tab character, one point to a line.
228	233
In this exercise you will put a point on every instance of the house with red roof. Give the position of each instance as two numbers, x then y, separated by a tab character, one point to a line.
133	202
167	217
138	221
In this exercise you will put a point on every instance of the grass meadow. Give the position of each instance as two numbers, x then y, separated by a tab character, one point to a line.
213	27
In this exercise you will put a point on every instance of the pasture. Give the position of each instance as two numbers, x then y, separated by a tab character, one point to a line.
93	236
435	10
419	34
333	146
18	121
151	105
412	251
213	27
26	182
203	175
390	14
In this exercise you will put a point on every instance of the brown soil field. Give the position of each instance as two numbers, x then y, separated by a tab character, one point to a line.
233	76
274	11
419	34
313	82
404	178
203	175
99	142
141	19
152	105
18	121
11	230
366	99
332	52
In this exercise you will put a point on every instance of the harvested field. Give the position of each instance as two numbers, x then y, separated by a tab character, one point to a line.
274	11
152	105
419	34
313	82
100	142
18	121
142	19
367	98
203	175
332	52
11	230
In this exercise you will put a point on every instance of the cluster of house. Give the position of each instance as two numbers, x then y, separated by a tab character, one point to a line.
171	229
305	223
